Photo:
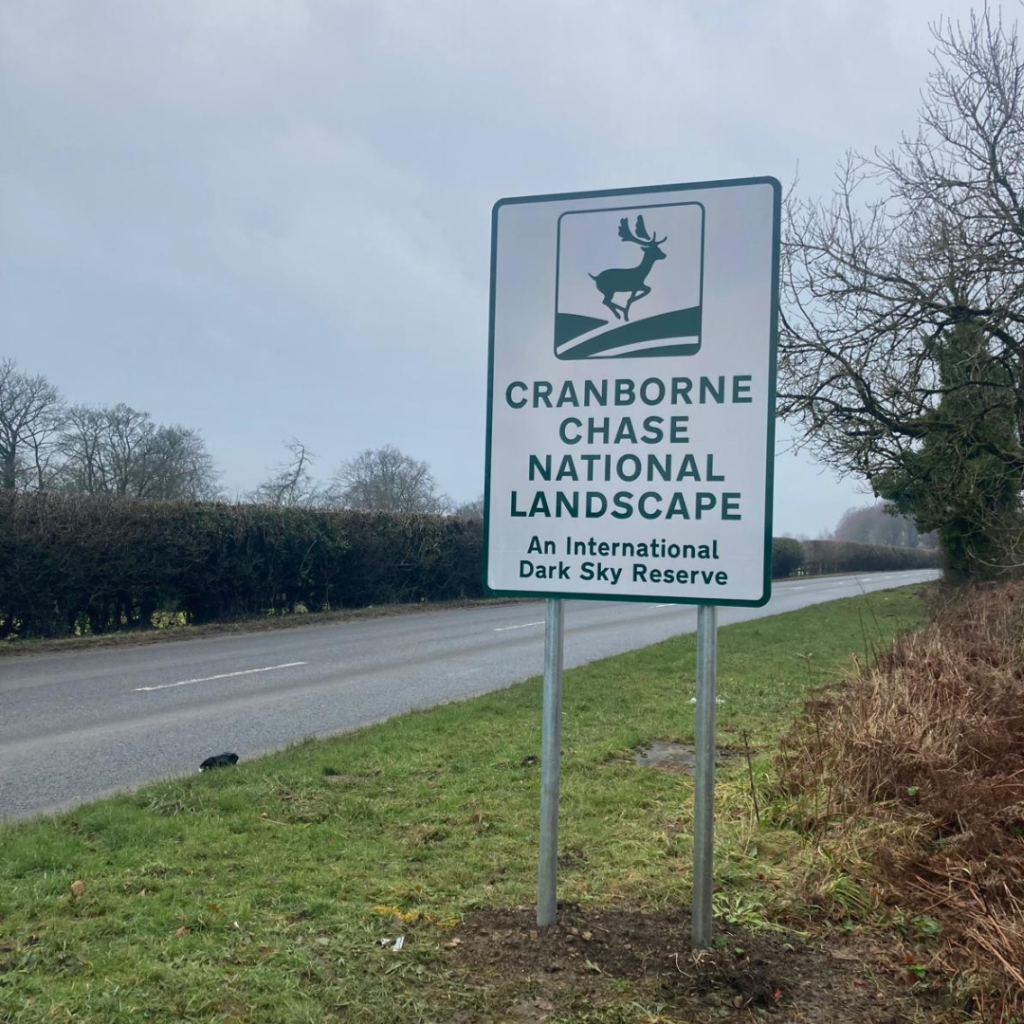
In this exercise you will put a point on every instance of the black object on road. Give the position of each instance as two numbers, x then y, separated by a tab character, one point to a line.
218	761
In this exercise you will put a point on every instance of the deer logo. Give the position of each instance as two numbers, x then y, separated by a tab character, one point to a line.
630	280
669	323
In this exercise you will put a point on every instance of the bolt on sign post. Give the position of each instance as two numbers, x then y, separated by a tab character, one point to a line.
630	428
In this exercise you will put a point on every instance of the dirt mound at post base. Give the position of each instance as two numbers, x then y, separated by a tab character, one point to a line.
577	962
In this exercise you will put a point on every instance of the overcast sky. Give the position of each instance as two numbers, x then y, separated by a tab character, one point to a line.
267	218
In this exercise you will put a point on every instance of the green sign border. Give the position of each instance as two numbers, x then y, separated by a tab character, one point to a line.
772	371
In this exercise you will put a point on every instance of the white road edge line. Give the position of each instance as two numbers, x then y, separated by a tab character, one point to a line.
223	675
505	629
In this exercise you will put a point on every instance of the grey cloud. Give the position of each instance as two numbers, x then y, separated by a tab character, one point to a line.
267	218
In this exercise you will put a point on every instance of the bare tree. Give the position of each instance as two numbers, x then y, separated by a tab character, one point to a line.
182	467
30	415
878	524
902	348
81	446
292	482
130	448
120	450
386	480
470	509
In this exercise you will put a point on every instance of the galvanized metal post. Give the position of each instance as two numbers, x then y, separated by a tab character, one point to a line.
704	774
550	764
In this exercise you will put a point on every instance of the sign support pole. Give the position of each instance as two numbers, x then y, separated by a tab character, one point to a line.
704	775
550	763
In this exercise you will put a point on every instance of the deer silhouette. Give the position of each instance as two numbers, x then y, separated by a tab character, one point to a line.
630	279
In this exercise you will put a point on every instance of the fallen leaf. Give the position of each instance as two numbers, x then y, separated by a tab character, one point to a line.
843	954
454	944
181	932
737	1001
77	888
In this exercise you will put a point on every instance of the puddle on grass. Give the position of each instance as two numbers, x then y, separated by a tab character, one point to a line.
674	757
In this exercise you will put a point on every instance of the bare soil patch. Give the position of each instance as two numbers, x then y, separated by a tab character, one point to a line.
670	756
747	974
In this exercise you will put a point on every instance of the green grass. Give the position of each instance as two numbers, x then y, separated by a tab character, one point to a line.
258	894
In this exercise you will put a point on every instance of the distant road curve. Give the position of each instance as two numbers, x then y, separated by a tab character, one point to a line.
81	724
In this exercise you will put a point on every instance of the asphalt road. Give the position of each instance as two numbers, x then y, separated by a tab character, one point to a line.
82	724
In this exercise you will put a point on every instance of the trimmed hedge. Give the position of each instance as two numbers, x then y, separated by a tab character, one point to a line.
787	557
78	563
824	556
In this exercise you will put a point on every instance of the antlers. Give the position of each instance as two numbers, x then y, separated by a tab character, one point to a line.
644	240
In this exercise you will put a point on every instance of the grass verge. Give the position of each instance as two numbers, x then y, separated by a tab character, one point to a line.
261	893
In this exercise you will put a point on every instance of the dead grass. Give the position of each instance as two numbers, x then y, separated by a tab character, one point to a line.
931	738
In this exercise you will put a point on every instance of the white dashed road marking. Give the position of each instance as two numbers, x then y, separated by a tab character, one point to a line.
223	675
505	629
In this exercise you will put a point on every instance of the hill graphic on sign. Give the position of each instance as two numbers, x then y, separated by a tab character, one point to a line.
664	334
655	304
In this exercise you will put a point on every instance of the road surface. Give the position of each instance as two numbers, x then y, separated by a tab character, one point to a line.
85	723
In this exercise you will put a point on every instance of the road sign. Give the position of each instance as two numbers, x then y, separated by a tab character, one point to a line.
631	403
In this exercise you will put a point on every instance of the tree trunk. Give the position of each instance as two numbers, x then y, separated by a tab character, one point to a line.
8	476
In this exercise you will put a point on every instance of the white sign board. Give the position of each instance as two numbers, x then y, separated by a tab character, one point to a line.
632	394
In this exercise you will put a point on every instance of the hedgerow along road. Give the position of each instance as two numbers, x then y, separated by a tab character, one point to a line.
81	724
